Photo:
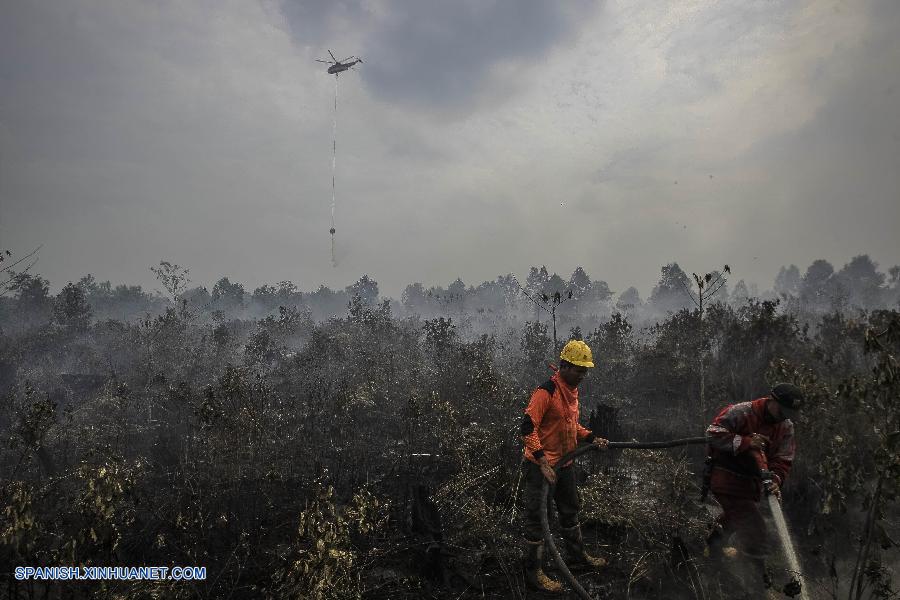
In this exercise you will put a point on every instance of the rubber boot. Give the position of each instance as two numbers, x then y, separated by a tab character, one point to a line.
575	548
761	570
534	572
715	542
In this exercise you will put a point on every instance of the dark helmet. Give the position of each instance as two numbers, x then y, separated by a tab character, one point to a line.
789	397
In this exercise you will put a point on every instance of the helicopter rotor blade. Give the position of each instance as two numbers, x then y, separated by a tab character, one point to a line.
332	56
327	62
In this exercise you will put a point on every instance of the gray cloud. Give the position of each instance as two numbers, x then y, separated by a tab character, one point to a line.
703	50
319	22
838	175
200	132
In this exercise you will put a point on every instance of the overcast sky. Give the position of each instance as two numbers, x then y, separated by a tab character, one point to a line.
478	138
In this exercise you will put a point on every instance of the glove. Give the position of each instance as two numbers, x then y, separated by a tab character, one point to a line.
770	484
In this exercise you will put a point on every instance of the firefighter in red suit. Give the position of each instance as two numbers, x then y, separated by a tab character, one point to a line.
751	450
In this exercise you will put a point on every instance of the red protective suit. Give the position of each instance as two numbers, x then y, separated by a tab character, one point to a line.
735	469
735	480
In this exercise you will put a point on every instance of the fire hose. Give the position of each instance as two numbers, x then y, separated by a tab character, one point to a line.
545	525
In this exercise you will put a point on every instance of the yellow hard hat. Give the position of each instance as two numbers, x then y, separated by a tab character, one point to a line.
577	353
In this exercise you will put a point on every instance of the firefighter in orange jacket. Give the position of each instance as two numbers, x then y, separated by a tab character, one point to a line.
751	451
550	429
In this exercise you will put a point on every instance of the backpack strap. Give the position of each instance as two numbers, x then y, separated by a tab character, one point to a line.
527	426
549	386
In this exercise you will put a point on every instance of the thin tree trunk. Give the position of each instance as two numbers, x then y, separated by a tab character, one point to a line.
555	341
702	377
856	584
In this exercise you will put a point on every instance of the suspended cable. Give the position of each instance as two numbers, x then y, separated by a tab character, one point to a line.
333	167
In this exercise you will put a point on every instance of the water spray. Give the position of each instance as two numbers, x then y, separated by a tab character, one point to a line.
797	584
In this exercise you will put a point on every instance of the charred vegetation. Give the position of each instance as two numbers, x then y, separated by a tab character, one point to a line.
336	444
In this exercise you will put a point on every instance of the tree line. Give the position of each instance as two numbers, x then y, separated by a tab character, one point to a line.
373	452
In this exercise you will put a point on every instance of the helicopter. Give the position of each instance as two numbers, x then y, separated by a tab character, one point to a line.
337	66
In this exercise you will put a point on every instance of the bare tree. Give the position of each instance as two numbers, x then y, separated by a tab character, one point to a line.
549	304
707	287
172	277
7	275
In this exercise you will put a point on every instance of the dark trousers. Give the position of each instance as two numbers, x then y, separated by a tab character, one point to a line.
741	516
565	493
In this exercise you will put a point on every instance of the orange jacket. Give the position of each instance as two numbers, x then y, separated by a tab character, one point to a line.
550	426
